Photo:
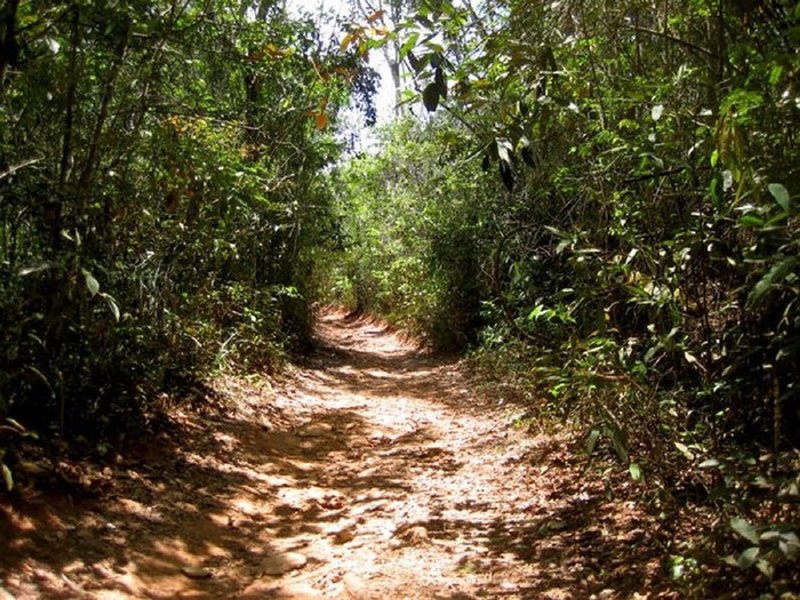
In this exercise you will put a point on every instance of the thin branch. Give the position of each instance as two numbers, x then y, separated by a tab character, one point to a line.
26	163
69	115
649	176
672	38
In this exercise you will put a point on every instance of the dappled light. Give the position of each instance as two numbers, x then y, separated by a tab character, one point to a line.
374	462
534	335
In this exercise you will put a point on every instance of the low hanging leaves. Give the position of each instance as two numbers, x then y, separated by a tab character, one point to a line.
507	175
771	278
430	97
527	155
408	45
91	283
440	80
415	63
8	478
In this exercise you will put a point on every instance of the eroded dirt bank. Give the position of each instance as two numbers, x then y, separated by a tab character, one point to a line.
372	472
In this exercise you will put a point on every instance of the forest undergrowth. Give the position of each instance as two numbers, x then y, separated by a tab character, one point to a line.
596	204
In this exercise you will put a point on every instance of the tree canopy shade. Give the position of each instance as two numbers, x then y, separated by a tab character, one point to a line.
597	201
613	188
161	194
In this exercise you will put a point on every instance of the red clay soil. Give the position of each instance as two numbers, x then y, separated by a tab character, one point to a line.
373	471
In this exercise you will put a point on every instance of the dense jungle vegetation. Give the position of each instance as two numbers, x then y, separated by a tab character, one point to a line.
596	202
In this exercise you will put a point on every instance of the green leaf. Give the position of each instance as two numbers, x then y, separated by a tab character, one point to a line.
781	195
112	305
7	477
742	102
751	220
15	424
730	559
789	545
748	558
430	97
91	283
635	471
684	449
619	442
744	529
591	441
775	75
774	276
709	463
42	266
766	568
408	45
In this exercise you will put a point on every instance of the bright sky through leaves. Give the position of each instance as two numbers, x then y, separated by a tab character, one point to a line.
325	13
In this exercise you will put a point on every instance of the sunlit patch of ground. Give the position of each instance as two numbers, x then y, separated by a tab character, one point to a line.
372	472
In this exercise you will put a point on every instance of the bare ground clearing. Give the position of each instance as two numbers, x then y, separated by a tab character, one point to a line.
371	472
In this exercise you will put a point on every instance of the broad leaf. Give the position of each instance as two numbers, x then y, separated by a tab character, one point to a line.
42	266
772	277
430	97
407	46
415	63
751	220
112	305
506	175
748	558
441	82
527	156
781	195
744	529
684	449
91	283
7	477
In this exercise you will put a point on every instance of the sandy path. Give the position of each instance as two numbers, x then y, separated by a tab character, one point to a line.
372	472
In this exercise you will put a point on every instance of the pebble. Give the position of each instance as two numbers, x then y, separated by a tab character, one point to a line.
315	430
278	564
196	572
345	535
102	572
265	589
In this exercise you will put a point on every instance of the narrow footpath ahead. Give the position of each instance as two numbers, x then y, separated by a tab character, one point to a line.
372	471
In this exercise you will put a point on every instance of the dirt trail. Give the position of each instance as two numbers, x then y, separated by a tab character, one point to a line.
373	472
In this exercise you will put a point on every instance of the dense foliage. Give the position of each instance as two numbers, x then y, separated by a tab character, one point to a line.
629	261
598	200
161	196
